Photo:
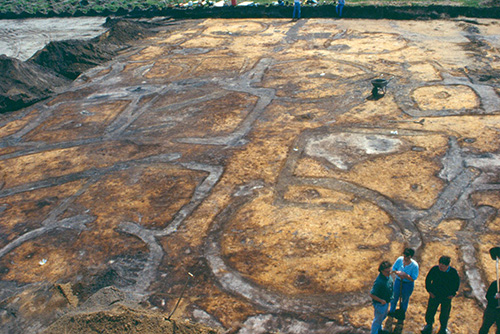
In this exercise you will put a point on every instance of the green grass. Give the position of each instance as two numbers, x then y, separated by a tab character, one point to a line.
70	6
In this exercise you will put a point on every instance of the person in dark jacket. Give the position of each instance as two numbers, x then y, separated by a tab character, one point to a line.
381	294
492	311
442	283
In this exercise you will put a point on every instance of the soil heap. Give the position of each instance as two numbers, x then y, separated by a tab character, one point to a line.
57	64
108	312
24	83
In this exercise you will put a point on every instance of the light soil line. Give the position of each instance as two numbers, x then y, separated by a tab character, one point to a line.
242	84
233	282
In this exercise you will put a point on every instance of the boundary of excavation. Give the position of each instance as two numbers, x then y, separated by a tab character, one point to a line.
410	12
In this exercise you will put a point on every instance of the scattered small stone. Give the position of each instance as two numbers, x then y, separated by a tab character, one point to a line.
418	149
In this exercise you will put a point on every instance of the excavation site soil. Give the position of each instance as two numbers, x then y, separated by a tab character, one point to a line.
244	176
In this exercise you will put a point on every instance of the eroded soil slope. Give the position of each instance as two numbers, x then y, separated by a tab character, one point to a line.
51	69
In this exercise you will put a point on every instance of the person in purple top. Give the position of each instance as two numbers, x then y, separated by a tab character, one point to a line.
406	270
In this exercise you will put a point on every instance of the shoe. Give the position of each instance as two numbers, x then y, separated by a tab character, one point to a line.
444	331
427	329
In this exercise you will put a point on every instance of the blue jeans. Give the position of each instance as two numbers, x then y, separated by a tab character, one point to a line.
380	315
405	294
339	8
296	10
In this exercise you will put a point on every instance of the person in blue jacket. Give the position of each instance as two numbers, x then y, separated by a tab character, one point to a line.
442	283
381	294
406	270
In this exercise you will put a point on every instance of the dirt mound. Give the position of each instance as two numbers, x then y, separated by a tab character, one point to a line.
110	311
123	31
24	83
123	319
73	57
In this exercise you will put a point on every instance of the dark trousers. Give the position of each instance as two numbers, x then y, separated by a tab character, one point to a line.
432	307
491	316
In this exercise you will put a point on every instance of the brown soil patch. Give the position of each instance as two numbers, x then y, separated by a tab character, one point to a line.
122	319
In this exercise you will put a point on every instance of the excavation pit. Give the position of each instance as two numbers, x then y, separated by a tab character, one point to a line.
247	153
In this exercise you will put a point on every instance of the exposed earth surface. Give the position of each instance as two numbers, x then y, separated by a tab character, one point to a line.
21	39
252	155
